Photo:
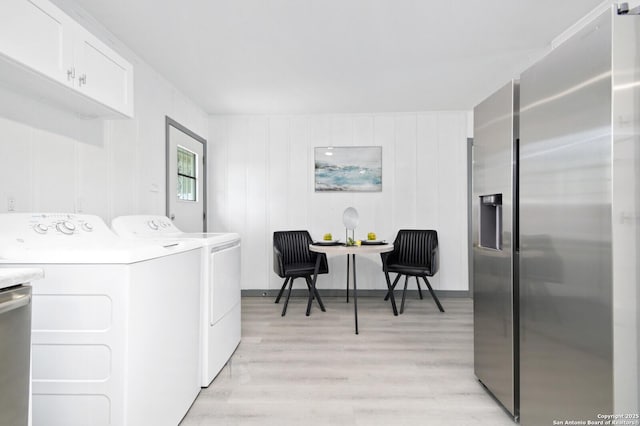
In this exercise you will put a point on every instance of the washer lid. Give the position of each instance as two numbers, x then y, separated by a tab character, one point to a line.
117	252
70	238
135	226
153	226
211	238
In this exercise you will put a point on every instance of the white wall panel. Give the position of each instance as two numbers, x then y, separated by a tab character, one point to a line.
428	208
363	130
405	165
278	172
217	172
256	213
16	173
123	184
278	194
238	133
424	186
342	130
298	170
151	178
452	201
92	180
54	181
385	136
427	170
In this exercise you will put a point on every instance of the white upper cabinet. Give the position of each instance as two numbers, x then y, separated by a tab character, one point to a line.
102	74
36	34
48	55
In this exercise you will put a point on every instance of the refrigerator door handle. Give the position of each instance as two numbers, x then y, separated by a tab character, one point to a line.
516	196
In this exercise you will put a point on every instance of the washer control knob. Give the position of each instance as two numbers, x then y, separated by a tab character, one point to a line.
66	227
153	225
87	227
40	228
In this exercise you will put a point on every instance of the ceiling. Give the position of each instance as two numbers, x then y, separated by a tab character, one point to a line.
337	56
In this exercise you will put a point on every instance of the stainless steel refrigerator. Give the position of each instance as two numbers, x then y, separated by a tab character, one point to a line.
556	231
494	228
579	226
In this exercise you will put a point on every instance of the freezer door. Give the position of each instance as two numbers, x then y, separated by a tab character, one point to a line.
565	231
495	134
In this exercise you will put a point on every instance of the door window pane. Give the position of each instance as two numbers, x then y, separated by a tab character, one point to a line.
187	174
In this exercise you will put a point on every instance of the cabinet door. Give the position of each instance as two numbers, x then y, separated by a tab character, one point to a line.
36	34
102	74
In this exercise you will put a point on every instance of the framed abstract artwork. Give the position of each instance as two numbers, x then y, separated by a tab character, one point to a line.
348	169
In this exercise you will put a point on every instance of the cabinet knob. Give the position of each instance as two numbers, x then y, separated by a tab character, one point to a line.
82	79
71	74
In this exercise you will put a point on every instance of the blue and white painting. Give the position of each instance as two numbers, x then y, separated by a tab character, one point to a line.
349	169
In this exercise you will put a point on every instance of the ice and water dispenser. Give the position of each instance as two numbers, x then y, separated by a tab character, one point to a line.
491	221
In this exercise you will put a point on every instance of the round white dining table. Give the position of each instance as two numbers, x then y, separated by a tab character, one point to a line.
332	250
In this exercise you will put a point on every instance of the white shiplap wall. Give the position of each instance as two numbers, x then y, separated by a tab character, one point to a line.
261	180
108	168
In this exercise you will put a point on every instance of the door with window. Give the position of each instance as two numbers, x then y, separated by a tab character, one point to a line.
186	178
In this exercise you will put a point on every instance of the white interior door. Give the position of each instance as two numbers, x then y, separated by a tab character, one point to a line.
186	178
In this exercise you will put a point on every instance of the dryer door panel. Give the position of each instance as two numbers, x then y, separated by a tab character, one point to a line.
224	282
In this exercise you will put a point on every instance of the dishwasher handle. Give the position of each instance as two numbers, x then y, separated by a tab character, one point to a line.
16	299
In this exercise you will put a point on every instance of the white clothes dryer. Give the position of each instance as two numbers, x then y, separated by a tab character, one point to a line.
220	308
115	323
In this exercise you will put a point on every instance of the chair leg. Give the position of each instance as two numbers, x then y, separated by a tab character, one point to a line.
390	293
393	287
286	302
316	293
309	287
419	289
404	293
435	298
286	281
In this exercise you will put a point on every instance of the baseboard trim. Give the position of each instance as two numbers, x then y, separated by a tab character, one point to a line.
300	292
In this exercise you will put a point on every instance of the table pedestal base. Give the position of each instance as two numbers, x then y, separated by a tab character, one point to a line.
355	288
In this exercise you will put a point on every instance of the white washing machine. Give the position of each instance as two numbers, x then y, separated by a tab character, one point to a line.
220	308
115	323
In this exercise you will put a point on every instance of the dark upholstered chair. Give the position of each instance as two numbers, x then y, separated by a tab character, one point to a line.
292	259
415	254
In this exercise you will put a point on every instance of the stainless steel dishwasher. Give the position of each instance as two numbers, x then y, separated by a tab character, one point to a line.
15	344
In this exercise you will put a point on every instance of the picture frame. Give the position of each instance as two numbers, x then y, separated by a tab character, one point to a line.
348	169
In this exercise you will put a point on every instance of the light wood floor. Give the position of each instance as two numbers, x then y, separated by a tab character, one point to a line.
414	369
